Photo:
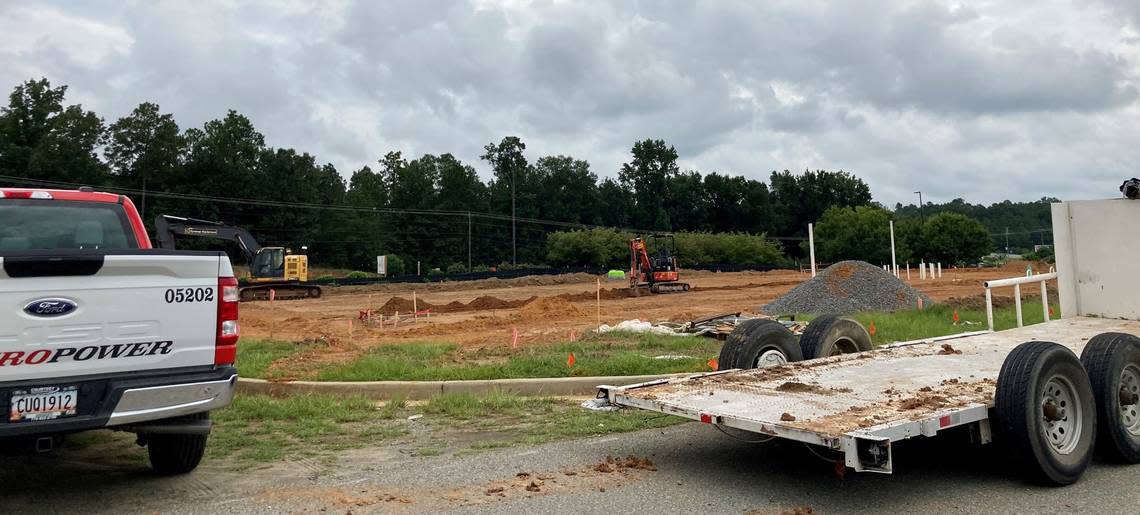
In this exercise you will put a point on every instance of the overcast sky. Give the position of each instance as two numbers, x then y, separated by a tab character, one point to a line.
978	100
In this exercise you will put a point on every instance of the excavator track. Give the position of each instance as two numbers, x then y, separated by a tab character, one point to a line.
264	292
669	288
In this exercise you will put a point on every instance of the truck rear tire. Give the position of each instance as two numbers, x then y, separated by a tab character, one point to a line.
832	335
1113	364
172	454
759	343
1045	412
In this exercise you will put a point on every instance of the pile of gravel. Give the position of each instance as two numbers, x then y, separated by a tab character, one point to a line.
848	287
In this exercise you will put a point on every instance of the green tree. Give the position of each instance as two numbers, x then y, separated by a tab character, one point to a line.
144	147
569	189
616	204
647	175
25	121
42	139
861	233
954	239
459	189
687	206
365	232
802	199
515	192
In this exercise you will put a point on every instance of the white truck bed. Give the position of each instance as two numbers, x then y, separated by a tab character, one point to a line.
855	402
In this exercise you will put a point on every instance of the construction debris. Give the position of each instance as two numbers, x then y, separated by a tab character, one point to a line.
637	326
849	287
718	326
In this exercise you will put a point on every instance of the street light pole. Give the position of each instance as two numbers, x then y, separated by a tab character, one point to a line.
921	207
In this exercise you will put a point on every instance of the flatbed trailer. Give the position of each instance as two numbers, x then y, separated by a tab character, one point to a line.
858	404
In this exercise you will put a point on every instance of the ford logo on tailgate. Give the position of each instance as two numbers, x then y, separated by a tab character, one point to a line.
50	307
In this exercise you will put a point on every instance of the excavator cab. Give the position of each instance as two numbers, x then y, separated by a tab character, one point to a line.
268	263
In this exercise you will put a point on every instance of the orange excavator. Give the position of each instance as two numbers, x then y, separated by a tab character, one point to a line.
653	264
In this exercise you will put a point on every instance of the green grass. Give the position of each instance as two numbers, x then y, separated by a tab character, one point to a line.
260	428
939	321
255	356
611	354
256	429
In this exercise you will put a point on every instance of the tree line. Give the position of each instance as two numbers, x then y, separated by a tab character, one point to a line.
433	208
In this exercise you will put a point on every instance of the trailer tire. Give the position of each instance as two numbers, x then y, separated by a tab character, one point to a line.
756	343
1045	412
832	335
1113	364
172	454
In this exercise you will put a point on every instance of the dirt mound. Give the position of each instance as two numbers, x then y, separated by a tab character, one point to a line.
848	287
402	305
489	302
550	306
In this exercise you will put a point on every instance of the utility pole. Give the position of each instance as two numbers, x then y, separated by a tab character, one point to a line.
514	231
921	207
468	242
1007	240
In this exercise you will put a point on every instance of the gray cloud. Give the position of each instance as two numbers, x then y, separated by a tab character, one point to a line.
979	101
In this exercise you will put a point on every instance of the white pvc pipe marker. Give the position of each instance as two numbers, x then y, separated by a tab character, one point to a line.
811	248
894	264
921	271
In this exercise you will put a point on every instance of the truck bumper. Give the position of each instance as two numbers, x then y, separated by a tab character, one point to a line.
159	402
128	401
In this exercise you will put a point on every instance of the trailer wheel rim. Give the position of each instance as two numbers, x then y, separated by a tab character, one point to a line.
844	346
1130	390
771	358
1061	415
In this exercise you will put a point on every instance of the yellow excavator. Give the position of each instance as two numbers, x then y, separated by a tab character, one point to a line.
275	272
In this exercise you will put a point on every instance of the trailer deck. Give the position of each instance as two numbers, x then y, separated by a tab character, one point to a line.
859	403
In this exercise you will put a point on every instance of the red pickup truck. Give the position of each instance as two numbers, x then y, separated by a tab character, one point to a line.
100	330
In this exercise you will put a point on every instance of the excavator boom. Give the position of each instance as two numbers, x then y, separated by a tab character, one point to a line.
278	275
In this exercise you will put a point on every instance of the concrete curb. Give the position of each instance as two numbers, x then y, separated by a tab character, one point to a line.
420	390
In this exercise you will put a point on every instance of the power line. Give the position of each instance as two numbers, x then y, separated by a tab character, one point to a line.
343	208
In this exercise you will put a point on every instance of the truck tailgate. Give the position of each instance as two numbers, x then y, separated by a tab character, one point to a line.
90	313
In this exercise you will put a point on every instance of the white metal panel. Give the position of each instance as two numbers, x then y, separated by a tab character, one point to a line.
1097	247
1066	261
120	308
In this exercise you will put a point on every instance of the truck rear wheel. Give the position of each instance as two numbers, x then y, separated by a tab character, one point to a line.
1045	411
832	335
757	344
176	453
1113	364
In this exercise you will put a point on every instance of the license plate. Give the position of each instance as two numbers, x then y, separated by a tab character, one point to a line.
43	403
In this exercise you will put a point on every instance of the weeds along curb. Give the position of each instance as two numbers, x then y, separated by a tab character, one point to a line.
421	390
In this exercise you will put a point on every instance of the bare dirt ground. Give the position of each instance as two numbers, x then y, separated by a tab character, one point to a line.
483	313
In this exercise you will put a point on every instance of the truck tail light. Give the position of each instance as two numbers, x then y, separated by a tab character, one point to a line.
225	348
26	194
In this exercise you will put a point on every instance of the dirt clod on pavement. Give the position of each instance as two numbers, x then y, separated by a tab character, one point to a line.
611	464
787	417
947	350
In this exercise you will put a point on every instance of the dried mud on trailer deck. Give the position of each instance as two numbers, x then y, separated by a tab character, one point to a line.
835	396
